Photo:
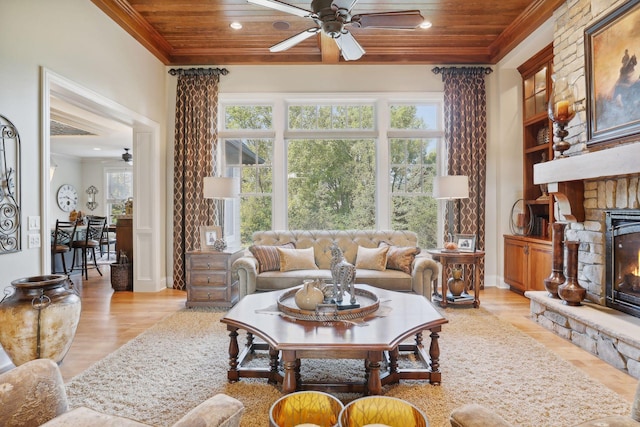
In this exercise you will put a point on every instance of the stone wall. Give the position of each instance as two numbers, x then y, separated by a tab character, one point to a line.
600	195
607	333
620	192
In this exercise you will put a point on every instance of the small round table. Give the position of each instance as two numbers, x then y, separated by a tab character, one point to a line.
445	258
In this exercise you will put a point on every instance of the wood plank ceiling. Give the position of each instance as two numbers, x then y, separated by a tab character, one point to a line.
197	32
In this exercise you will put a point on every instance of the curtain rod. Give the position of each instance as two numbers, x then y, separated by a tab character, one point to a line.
198	71
462	70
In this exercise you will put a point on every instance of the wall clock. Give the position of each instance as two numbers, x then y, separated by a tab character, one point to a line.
67	197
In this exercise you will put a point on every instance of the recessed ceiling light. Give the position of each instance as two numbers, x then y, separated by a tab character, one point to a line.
97	149
425	25
281	25
236	25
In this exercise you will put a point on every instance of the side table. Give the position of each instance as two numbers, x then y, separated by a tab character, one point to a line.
445	258
209	280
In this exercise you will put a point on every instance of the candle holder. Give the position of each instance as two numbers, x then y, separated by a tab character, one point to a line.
561	111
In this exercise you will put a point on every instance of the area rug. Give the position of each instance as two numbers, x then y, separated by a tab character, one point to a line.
181	361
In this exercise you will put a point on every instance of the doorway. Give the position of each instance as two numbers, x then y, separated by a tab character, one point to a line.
145	137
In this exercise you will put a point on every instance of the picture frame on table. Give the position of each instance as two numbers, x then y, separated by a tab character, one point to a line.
208	236
465	242
612	47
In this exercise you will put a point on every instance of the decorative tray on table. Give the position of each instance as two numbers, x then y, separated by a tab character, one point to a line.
328	311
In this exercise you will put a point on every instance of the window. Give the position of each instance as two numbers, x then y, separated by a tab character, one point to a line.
250	160
331	184
336	161
412	167
119	183
411	172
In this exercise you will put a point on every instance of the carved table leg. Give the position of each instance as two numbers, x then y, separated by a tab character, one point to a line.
434	355
232	374
443	302
250	341
418	340
290	363
374	384
393	361
273	365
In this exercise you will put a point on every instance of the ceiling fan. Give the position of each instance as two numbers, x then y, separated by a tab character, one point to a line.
127	157
333	16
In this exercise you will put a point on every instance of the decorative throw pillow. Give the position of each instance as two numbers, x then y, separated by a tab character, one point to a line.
268	256
372	258
400	257
297	259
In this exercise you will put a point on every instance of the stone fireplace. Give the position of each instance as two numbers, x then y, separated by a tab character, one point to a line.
622	260
611	179
611	200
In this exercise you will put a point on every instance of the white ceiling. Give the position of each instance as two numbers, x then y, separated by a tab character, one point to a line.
108	138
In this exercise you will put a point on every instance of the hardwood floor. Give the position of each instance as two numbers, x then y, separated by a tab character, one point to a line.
109	319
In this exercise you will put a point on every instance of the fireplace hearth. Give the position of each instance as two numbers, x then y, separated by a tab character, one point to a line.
623	260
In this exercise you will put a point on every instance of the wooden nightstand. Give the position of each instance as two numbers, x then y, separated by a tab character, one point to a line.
209	280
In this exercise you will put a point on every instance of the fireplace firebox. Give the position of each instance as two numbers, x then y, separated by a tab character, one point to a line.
623	260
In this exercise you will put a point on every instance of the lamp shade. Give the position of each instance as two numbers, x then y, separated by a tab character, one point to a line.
217	187
451	187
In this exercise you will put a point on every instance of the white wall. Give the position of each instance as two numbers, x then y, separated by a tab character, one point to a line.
74	39
69	171
505	150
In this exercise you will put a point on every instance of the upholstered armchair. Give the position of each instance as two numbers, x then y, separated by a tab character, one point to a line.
33	394
473	415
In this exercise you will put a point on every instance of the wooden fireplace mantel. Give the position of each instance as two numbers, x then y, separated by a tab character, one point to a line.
565	176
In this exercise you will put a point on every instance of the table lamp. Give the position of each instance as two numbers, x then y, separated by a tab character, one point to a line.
450	188
218	187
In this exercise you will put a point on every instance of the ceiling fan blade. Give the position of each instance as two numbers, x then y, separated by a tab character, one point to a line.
343	4
292	41
349	46
282	7
406	19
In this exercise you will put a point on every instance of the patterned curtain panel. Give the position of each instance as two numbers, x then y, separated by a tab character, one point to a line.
465	123
195	146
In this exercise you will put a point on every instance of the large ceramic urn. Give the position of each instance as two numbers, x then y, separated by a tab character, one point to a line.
39	318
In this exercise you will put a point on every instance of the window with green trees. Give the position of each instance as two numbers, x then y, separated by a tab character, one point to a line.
309	164
119	188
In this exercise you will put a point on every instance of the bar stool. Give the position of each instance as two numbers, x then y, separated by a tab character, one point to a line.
62	237
88	245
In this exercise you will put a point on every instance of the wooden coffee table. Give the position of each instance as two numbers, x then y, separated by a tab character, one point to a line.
378	344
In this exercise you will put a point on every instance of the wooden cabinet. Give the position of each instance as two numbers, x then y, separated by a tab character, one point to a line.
537	137
124	236
528	258
527	262
209	280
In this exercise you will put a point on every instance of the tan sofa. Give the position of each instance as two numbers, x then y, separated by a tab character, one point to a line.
33	394
474	415
421	272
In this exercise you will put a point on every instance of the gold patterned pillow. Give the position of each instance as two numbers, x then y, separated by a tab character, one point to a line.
372	258
268	257
297	259
400	257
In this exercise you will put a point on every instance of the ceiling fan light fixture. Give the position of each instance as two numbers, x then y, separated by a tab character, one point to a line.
332	16
127	157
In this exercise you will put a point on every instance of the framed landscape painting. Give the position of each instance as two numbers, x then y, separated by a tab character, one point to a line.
612	47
